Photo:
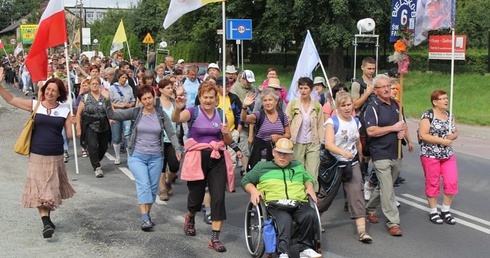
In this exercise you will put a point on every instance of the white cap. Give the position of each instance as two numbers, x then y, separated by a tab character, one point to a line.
230	69
213	65
180	61
248	75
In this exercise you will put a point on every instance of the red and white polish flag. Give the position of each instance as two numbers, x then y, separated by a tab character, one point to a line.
51	32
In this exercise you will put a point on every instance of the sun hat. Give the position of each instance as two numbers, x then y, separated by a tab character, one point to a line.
284	145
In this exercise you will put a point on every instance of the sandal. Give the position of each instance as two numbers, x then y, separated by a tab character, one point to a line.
189	229
435	218
448	218
217	246
364	237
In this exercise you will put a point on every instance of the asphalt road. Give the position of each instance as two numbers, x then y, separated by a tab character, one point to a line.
102	219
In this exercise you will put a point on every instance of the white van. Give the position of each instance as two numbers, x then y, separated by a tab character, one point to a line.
91	54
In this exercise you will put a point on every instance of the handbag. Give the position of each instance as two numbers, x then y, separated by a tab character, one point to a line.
23	144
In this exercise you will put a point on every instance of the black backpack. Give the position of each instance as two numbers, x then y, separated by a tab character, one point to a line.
259	123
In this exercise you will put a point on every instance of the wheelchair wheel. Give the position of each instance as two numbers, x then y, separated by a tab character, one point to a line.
317	237
254	221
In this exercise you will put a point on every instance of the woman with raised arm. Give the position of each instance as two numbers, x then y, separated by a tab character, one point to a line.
206	160
47	183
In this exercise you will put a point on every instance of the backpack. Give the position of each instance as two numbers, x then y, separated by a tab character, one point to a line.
196	113
363	136
335	119
363	85
199	80
317	108
365	139
361	92
431	118
259	123
136	111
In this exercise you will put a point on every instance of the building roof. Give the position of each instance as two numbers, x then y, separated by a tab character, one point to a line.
11	27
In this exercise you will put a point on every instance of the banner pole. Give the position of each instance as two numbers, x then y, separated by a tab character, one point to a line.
70	103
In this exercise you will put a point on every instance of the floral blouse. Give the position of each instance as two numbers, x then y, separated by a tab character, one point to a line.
438	128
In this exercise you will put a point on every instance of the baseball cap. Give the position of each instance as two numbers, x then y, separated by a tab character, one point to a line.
284	145
180	61
393	72
230	69
319	80
274	83
248	75
213	65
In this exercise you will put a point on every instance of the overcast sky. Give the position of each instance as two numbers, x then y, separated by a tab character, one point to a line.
102	3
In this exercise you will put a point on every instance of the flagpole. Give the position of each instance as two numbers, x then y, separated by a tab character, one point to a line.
70	102
452	80
332	103
6	55
223	49
129	51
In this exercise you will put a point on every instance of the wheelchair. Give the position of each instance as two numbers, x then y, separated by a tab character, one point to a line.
255	217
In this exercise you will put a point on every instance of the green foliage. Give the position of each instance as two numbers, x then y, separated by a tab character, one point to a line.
470	95
13	10
472	19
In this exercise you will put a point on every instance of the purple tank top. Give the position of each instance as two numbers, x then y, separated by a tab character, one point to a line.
205	129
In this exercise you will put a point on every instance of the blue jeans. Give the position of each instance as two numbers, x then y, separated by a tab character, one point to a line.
120	128
26	81
146	169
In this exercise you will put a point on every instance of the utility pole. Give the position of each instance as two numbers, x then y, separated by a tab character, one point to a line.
79	3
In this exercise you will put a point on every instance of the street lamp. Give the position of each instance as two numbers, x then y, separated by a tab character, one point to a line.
95	44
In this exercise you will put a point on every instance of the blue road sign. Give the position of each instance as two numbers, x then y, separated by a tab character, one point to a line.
238	29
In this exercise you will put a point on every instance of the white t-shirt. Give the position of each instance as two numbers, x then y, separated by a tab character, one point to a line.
346	136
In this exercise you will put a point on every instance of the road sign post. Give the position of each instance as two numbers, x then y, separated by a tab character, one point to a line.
148	40
239	30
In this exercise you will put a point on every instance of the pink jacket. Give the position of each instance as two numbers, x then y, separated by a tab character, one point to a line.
191	168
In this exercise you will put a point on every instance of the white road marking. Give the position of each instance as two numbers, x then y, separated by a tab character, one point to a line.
459	213
125	170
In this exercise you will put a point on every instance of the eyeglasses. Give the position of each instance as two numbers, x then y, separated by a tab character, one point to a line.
382	87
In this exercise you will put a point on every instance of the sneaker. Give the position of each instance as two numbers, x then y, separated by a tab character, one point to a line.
368	190
117	161
84	153
189	224
164	196
65	159
309	253
99	173
66	154
217	246
146	225
397	203
284	255
207	219
448	218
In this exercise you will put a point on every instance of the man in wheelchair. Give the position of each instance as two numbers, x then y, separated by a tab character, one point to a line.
284	185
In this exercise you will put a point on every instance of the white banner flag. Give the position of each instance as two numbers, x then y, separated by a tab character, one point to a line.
308	60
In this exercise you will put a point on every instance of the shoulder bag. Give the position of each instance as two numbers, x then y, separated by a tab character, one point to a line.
23	144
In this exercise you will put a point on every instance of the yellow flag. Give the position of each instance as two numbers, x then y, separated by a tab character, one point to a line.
119	38
177	8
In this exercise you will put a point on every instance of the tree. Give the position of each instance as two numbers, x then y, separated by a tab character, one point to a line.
472	19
